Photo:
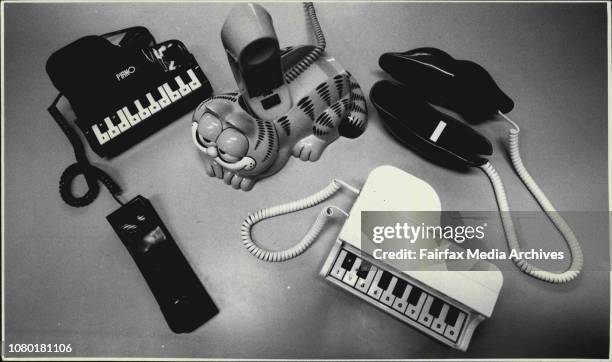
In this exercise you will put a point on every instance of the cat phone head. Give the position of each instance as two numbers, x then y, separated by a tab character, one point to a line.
232	138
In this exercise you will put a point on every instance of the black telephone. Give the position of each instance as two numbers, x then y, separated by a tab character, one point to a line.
123	93
120	95
430	76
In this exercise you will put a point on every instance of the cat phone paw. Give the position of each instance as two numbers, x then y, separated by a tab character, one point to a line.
212	168
237	181
310	148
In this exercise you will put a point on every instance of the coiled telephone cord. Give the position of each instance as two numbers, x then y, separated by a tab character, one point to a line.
283	255
136	37
576	253
314	54
83	167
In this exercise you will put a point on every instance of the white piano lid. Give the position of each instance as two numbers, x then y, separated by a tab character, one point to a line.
388	188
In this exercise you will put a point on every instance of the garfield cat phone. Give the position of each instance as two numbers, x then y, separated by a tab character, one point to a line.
291	101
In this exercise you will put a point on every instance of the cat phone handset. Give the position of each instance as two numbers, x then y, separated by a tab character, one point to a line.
283	255
254	56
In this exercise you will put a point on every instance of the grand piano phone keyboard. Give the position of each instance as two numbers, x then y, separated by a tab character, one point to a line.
146	107
397	294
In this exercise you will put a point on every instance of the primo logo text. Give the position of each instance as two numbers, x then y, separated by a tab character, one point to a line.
125	73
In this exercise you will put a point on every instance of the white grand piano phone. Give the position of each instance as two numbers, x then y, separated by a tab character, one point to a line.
444	303
444	299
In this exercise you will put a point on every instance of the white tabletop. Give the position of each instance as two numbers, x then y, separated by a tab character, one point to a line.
68	279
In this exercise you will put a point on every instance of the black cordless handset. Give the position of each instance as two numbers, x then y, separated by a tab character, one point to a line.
182	298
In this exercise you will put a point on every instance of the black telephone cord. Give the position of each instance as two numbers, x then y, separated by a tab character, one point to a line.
92	174
137	36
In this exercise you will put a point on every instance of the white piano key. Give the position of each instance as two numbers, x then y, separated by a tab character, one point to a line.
194	83
413	311
102	137
112	130
414	303
387	296
452	332
174	95
164	101
143	112
337	271
154	107
375	292
438	324
363	285
425	318
184	89
350	277
132	118
400	304
123	124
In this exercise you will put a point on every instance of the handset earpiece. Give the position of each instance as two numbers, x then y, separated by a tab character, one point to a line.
428	51
484	97
254	55
137	37
425	57
460	85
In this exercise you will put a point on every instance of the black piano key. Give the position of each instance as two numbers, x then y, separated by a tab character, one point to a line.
144	102
114	120
185	77
400	286
102	125
348	261
364	269
154	93
384	281
436	307
175	86
131	106
451	316
414	296
172	83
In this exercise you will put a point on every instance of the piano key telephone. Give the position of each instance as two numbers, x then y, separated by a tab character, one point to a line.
444	299
123	93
